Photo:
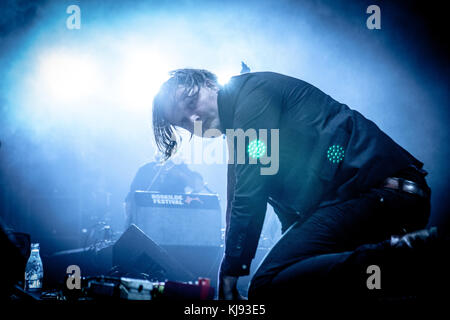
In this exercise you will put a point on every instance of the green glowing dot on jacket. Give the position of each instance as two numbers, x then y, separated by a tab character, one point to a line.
335	153
256	149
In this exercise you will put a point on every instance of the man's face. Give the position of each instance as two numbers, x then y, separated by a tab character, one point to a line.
202	107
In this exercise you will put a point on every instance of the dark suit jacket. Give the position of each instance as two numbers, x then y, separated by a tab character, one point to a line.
309	124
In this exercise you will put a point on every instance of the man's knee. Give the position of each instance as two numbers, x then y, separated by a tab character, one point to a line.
267	287
259	287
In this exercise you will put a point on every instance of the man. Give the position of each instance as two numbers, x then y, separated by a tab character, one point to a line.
341	182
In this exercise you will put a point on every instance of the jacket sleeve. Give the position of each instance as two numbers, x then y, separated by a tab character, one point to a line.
258	108
231	178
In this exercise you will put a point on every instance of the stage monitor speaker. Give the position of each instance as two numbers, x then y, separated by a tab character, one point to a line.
92	262
201	261
136	253
14	250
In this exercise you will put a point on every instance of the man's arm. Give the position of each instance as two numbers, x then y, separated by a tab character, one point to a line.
259	108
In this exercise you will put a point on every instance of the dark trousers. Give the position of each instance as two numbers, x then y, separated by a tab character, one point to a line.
308	259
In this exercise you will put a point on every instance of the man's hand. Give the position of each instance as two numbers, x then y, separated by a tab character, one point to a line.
228	288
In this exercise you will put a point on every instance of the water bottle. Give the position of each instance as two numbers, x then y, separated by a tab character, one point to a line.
34	271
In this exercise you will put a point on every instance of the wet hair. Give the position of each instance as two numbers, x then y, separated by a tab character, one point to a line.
191	80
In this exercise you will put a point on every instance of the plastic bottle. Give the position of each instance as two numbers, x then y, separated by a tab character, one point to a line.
34	271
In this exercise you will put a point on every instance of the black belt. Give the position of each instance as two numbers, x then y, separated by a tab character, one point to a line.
405	186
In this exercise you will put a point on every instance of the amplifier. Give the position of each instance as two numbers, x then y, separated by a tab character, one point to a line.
179	219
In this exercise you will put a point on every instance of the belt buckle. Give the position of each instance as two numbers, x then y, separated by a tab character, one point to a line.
410	187
406	186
